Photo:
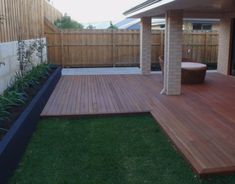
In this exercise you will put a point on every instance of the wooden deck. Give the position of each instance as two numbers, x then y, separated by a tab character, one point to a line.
201	122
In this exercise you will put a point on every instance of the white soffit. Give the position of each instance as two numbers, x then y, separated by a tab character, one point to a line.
192	8
158	4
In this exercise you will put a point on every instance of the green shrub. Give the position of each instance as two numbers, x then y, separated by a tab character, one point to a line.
67	23
112	26
16	95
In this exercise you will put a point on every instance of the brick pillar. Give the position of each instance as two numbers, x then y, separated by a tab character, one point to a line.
173	52
224	45
145	45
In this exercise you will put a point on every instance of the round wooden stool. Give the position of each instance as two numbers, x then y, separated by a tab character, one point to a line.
193	73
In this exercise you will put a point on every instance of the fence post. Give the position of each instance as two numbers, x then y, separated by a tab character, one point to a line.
62	47
206	48
162	43
113	49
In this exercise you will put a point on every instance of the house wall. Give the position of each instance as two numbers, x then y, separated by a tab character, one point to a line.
216	27
224	51
187	26
8	56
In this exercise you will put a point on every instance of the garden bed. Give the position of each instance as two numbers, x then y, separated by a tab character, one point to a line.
25	119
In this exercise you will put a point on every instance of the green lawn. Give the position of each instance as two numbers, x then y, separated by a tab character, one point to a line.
105	150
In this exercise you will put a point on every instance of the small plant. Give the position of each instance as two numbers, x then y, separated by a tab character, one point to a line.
16	95
32	47
40	46
25	53
10	99
112	26
30	78
21	54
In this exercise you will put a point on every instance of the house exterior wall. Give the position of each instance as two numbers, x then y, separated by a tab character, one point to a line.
8	56
224	50
215	27
224	45
188	26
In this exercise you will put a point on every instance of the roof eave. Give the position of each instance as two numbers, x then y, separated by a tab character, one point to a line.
134	12
141	6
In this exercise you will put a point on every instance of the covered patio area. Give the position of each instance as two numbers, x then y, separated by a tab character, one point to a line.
174	12
200	122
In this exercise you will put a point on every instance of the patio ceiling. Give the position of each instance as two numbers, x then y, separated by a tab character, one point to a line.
192	8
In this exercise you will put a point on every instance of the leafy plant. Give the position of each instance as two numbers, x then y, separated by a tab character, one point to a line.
112	26
8	100
67	23
40	46
90	26
16	94
30	50
21	54
4	114
25	53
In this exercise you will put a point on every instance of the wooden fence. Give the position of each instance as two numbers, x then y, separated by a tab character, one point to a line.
24	18
51	13
94	48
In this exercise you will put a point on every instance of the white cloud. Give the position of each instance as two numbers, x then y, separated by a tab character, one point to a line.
93	11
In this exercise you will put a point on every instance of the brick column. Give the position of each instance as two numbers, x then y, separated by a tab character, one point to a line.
224	45
145	45
173	52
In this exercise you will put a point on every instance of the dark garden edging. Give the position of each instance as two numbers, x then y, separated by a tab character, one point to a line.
13	145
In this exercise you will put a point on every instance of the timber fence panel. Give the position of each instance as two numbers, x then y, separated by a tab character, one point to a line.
100	48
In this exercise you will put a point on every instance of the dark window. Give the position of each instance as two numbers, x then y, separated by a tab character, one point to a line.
201	26
197	26
206	27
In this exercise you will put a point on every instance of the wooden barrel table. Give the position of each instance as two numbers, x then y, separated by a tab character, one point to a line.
193	73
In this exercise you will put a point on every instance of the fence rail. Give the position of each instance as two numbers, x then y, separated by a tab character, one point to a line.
94	48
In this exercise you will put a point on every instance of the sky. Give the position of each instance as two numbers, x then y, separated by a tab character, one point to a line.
88	11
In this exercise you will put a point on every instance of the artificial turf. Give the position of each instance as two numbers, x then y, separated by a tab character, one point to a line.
105	150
